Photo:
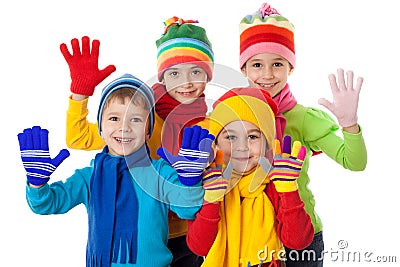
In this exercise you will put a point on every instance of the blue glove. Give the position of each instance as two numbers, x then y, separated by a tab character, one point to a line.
34	146
193	155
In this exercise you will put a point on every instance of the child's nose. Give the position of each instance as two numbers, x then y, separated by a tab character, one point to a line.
187	84
242	145
124	127
268	73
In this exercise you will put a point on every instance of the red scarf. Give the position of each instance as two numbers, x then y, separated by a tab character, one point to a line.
176	116
285	101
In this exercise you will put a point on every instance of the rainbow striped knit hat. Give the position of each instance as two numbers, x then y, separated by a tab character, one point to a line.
266	31
183	42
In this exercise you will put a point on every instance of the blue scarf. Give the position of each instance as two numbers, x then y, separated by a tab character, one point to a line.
113	209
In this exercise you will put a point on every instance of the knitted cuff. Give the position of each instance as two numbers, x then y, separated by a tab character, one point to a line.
82	86
190	181
285	186
347	122
212	196
214	185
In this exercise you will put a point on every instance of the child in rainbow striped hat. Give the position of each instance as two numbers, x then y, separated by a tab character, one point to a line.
267	58
185	64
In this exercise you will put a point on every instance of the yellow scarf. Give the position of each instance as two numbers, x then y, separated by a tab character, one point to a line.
246	228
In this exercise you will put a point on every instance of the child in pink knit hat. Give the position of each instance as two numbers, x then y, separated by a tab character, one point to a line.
267	58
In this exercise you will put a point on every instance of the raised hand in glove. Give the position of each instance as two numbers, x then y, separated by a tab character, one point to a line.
288	162
193	155
34	147
345	98
214	184
83	66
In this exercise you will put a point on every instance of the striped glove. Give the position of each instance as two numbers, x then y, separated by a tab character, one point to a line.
287	164
34	147
193	155
214	184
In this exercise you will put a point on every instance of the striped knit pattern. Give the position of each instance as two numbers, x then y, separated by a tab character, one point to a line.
261	33
194	168
214	185
35	163
285	170
212	180
285	173
128	81
184	50
183	42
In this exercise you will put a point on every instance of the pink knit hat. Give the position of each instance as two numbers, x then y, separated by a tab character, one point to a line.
266	31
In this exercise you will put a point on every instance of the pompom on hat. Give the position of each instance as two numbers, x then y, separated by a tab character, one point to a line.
248	104
128	81
266	31
184	42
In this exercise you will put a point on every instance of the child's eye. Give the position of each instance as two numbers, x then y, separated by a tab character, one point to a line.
199	75
136	120
173	73
196	72
277	64
231	137
253	137
256	65
113	119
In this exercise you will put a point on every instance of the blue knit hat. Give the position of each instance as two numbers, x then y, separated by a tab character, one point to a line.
127	81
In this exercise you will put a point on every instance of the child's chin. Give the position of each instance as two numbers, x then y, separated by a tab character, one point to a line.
187	101
242	169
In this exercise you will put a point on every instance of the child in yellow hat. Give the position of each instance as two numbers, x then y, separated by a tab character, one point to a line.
251	211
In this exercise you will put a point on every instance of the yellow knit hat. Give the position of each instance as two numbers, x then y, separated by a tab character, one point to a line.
247	104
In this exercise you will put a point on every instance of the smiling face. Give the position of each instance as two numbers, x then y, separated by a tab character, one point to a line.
268	71
125	124
185	82
243	144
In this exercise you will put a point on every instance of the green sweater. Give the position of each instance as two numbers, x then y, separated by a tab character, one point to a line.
316	130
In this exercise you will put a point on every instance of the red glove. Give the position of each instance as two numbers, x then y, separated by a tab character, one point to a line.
85	73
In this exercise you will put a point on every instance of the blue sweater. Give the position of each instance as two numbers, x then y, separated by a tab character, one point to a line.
158	191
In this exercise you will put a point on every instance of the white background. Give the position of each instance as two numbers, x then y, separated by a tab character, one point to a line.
360	208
